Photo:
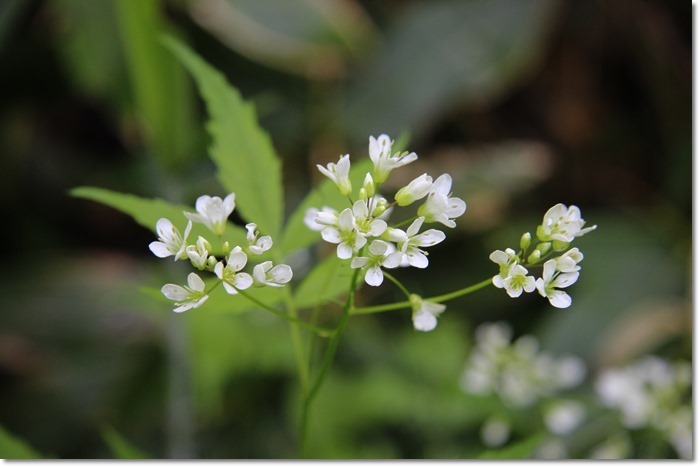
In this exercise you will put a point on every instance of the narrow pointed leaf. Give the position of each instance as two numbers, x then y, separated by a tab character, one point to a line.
12	447
120	447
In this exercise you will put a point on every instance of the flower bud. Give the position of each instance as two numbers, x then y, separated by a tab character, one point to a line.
543	248
525	241
379	209
534	257
363	194
417	189
368	186
558	245
211	262
227	248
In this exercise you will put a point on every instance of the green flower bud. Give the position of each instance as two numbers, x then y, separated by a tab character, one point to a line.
525	241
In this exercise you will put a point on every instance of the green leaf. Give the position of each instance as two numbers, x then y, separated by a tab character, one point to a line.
12	447
520	450
120	447
243	153
297	234
327	280
147	211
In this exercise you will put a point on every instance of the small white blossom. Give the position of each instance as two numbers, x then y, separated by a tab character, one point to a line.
199	253
516	281
562	224
564	416
339	174
410	250
495	432
440	207
257	246
552	280
367	225
372	265
345	235
232	279
170	243
213	212
265	274
188	297
417	189
384	162
568	262
425	313
319	220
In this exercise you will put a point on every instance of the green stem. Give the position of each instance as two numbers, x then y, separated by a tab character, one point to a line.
320	331
407	221
407	304
327	361
398	284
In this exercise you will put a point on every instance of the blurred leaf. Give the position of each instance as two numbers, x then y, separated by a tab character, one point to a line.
243	153
307	37
12	447
146	212
120	447
297	234
327	280
162	93
522	450
484	47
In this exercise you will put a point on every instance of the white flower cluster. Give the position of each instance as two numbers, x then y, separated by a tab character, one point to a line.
362	234
213	212
518	373
652	393
560	226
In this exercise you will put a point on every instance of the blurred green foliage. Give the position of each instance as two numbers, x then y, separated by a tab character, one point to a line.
525	103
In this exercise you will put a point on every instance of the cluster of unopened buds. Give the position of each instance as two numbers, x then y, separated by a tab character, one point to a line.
213	212
560	269
361	231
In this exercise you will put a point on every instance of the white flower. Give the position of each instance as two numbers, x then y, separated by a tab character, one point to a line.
190	296
257	246
516	281
552	280
504	259
372	264
568	262
425	313
171	242
265	274
199	253
345	235
213	212
562	224
417	189
439	207
367	225
232	279
319	220
495	432
562	417
384	162
339	174
409	248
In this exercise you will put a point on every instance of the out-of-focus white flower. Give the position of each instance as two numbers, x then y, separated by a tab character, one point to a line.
516	281
425	313
562	224
188	297
616	447
564	416
552	449
199	253
213	212
552	280
384	162
417	189
378	256
257	246
232	279
339	173
440	207
274	276
345	235
170	243
495	432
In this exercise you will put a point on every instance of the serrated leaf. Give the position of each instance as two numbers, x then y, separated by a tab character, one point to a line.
521	450
327	280
243	153
147	211
297	234
120	447
12	447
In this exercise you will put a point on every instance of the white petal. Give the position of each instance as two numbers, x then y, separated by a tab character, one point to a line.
455	207
242	281
559	299
229	203
280	274
159	249
564	280
514	293
331	235
219	270
395	235
174	292
359	209
442	185
344	251
415	226
548	270
237	259
417	259
198	218
195	282
231	290
164	228
529	284
498	281
346	220
358	262
327	171
499	257
393	260
429	238
184	307
424	321
374	276
201	204
260	272
310	219
378	248
377	227
360	241
539	284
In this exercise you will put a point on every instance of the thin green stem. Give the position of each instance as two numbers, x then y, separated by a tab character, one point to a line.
407	304
327	361
319	330
398	284
407	221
